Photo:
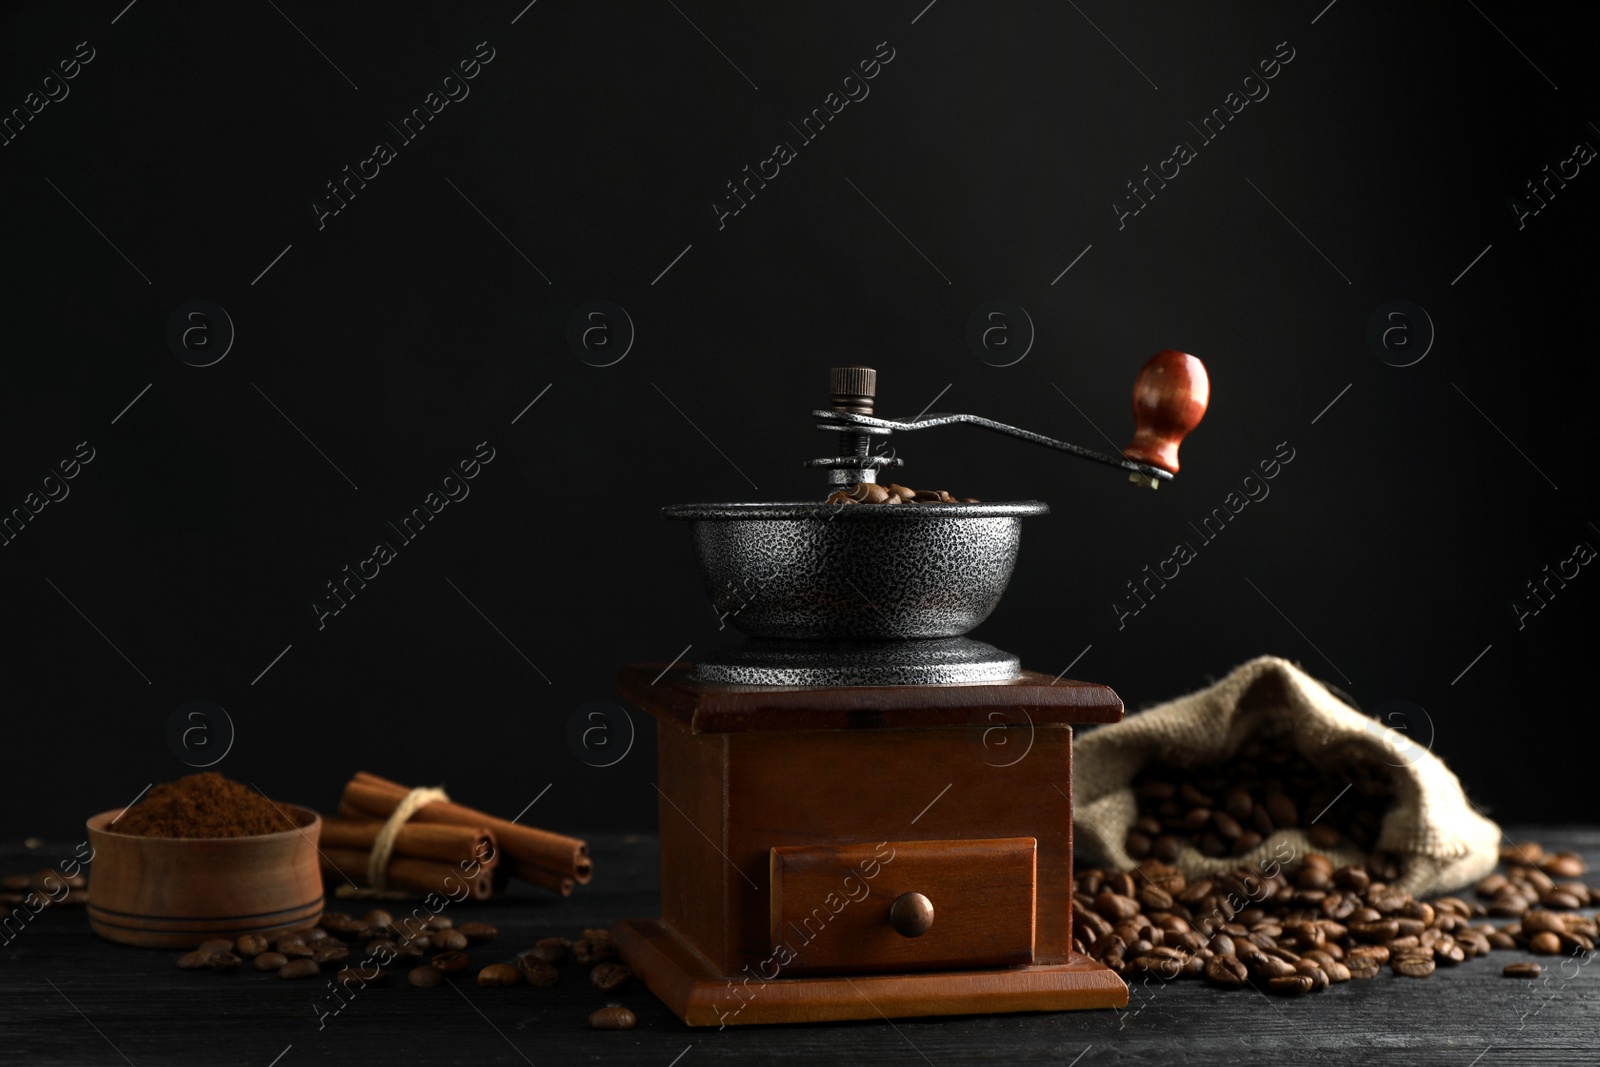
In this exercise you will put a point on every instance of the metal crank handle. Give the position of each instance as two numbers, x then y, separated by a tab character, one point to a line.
1169	399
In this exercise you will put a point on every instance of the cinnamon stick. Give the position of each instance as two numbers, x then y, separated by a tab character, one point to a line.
423	876
421	841
555	854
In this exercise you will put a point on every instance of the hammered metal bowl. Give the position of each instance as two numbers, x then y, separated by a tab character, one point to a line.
823	572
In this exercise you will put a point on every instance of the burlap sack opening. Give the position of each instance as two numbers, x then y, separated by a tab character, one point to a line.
1441	841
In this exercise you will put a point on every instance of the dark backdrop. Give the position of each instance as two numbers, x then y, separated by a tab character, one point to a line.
379	348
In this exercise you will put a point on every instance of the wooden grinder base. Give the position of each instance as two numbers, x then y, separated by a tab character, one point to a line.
792	818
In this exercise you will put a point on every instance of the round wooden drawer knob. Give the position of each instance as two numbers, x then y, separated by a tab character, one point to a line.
911	915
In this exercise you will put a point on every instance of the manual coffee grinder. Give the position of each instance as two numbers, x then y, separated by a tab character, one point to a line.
863	812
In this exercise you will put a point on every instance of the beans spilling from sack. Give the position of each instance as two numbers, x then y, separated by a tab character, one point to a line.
1291	936
1229	809
873	493
356	953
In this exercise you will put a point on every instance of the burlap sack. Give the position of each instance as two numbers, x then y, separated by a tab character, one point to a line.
1442	842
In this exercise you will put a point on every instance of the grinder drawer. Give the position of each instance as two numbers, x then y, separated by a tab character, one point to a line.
903	905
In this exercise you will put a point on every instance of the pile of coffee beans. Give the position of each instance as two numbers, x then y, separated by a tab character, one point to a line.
44	889
357	951
873	493
1229	809
1289	936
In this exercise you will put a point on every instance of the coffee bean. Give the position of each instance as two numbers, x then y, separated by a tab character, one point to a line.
613	1017
1226	971
1545	943
251	945
1291	985
295	949
1270	967
270	961
499	974
378	917
360	977
196	960
1412	966
439	922
449	940
219	944
381	946
425	977
16	883
1562	865
301	968
224	961
450	962
1522	970
590	951
1324	836
610	977
338	923
1363	967
555	950
330	954
478	933
537	972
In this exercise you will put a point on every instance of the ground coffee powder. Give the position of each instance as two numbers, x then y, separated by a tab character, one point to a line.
202	805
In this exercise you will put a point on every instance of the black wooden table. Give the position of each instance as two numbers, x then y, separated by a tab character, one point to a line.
67	997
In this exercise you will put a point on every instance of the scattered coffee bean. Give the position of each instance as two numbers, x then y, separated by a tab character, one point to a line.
499	974
425	977
536	972
330	954
449	940
251	945
360	977
301	968
218	944
194	961
589	951
224	962
1522	970
553	950
613	1017
1412	966
270	961
1545	943
1291	985
1226	971
610	977
450	962
16	883
478	933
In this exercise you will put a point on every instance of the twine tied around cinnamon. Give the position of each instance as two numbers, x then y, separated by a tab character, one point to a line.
383	847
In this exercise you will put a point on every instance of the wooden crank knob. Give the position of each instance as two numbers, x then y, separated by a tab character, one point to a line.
1169	399
911	915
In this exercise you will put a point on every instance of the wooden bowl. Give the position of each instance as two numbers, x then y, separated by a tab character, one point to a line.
170	892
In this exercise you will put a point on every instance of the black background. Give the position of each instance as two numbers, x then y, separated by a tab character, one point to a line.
407	330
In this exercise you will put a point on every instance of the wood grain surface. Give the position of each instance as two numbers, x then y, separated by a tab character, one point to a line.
71	998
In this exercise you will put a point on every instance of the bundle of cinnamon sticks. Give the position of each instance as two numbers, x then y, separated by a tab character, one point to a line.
445	845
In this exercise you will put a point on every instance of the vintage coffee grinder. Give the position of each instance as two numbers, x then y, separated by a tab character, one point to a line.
863	812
